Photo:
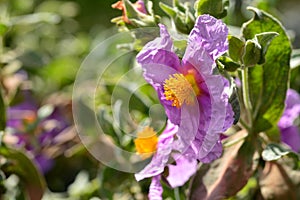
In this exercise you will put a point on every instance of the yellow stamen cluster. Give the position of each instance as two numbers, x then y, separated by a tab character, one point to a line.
180	89
146	142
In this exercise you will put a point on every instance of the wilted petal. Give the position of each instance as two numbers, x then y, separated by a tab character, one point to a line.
161	156
155	190
180	173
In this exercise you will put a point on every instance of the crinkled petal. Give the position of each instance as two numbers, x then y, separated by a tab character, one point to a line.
155	190
211	34
197	57
161	156
201	126
159	51
215	117
180	173
207	41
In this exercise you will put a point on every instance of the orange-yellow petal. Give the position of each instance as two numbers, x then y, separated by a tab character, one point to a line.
146	142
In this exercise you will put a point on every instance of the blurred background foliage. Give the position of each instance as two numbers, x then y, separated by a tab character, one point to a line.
42	45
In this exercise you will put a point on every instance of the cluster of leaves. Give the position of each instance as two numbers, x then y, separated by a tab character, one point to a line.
42	44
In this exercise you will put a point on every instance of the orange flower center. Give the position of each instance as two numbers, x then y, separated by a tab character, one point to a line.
29	117
181	89
146	142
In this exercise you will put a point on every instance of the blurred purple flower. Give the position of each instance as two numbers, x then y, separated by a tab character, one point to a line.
290	133
34	133
192	94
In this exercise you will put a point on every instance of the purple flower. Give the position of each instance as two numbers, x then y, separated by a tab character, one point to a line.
192	94
290	133
162	154
35	134
179	172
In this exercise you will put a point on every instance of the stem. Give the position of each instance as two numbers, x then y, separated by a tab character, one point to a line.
176	193
246	95
244	125
228	144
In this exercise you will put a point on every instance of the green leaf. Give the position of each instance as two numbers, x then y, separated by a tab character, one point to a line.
252	53
131	11
268	83
229	65
264	39
275	151
182	17
3	29
3	112
22	166
236	48
216	8
167	9
180	46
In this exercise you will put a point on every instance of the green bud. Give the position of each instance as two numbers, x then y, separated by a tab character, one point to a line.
216	8
252	53
236	48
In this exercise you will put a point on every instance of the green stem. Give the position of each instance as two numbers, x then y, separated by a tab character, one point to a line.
246	95
244	125
176	193
228	144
